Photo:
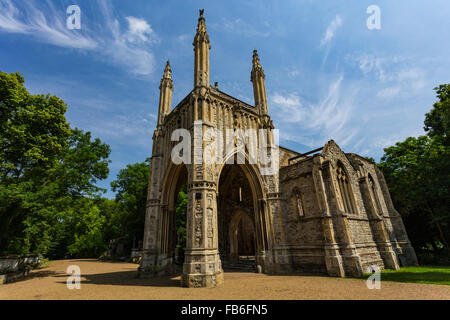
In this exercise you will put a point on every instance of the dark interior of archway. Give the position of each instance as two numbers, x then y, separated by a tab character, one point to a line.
235	195
178	242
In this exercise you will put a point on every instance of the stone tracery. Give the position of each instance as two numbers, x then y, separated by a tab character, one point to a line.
324	226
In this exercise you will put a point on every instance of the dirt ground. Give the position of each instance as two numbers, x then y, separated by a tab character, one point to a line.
109	280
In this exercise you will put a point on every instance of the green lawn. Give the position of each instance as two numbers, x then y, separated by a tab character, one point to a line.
422	274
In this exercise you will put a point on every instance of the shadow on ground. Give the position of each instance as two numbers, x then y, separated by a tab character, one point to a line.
100	261
126	278
41	274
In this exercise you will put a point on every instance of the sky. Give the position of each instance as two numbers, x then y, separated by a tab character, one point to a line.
328	76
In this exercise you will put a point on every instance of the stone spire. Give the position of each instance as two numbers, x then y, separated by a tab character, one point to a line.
167	71
259	86
165	95
201	51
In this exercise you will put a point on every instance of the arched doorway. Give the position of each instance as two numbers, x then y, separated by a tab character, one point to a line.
237	206
242	237
173	217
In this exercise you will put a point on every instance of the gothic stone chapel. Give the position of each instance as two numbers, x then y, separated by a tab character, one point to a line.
323	212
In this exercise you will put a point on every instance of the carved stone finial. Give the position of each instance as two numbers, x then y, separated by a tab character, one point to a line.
167	71
201	29
256	62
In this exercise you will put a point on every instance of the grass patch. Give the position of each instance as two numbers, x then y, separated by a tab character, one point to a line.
422	274
44	263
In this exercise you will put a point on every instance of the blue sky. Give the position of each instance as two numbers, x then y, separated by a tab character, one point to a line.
327	75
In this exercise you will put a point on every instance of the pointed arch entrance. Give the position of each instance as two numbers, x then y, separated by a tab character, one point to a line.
241	237
242	228
175	179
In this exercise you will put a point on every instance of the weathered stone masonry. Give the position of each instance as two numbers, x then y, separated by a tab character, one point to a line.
326	213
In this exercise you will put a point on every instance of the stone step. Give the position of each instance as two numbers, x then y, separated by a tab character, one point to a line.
240	267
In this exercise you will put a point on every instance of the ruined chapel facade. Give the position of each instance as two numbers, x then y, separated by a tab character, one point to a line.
324	212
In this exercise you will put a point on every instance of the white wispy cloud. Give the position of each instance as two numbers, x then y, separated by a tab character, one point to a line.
129	48
414	77
388	93
330	33
9	21
240	26
313	124
139	30
368	64
291	105
125	129
49	28
384	141
184	37
331	116
293	73
394	71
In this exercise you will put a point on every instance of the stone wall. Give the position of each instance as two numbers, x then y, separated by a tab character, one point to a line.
15	267
9	264
371	233
301	215
13	263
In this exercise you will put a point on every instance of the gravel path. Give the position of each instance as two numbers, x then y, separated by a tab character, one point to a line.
108	280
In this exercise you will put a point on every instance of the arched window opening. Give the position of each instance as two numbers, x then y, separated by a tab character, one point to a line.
345	189
375	195
299	202
300	206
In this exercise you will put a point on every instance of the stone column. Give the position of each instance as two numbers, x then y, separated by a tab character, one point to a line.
152	263
149	262
352	261
202	266
406	252
333	258
377	225
350	257
261	234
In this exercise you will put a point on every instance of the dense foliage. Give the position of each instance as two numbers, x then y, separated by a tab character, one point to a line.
50	202
417	172
48	193
131	198
180	220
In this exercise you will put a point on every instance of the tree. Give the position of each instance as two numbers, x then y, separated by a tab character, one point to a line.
33	132
48	174
180	219
33	129
437	121
74	194
131	187
89	240
417	173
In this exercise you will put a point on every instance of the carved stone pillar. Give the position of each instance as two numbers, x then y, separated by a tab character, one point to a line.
202	266
352	261
377	224
277	256
350	258
261	227
149	262
153	262
333	258
405	251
